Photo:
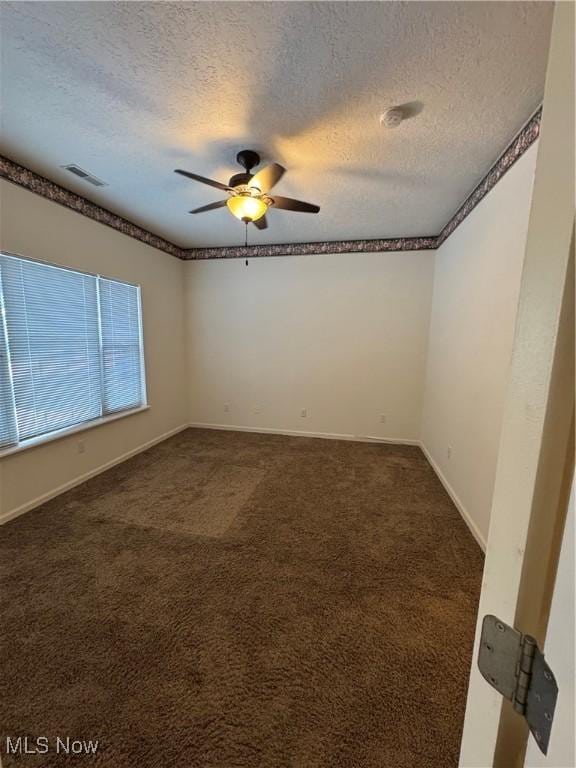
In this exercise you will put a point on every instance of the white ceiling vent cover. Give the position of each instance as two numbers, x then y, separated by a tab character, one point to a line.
82	174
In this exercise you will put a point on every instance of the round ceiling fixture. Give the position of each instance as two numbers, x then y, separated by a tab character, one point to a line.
391	118
246	206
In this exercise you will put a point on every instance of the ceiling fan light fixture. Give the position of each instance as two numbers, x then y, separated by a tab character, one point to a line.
248	193
247	207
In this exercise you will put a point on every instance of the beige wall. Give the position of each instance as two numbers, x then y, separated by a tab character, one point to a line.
476	288
342	336
421	338
536	432
33	226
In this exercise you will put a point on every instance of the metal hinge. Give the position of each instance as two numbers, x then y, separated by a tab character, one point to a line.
514	665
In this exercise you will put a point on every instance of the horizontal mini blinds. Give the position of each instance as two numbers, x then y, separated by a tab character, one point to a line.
53	341
121	347
73	349
8	431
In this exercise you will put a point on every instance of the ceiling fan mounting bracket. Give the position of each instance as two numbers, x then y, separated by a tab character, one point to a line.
248	159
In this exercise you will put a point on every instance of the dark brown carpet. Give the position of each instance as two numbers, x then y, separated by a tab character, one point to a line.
230	600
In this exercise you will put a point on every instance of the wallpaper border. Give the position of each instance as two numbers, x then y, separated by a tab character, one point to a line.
304	249
513	152
32	181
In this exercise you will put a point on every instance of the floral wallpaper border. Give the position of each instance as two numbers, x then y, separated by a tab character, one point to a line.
511	154
41	186
51	191
304	249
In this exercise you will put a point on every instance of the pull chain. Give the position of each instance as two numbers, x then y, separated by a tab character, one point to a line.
246	239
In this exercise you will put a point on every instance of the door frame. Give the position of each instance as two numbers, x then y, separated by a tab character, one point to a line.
536	453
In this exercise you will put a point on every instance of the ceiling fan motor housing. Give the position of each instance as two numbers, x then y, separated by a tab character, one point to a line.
248	159
239	178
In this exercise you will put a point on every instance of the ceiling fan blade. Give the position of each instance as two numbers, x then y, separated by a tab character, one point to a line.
267	177
261	223
203	180
210	207
288	204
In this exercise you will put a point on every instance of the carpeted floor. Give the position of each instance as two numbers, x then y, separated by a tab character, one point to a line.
232	600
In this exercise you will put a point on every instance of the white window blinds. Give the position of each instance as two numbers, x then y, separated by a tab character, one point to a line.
70	348
8	432
121	346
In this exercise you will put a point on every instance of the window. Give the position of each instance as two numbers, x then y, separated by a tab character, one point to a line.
70	349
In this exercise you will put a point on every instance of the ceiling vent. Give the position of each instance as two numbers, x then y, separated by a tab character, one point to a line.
82	174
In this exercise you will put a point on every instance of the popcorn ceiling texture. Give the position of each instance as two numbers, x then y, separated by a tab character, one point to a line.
132	90
25	178
514	152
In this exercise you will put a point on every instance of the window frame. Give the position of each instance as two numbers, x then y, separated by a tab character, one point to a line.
58	434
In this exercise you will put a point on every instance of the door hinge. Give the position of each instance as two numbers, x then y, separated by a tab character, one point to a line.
514	665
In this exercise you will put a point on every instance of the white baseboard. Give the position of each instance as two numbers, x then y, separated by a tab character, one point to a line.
11	514
302	433
474	530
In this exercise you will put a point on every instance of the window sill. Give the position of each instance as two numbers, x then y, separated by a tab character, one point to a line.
34	442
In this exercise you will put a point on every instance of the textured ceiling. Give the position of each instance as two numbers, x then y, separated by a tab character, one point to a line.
130	91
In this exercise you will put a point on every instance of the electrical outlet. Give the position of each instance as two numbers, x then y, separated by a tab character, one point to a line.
382	418
226	407
257	409
304	413
81	446
449	452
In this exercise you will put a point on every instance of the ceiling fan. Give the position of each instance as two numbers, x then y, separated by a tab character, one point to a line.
248	198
